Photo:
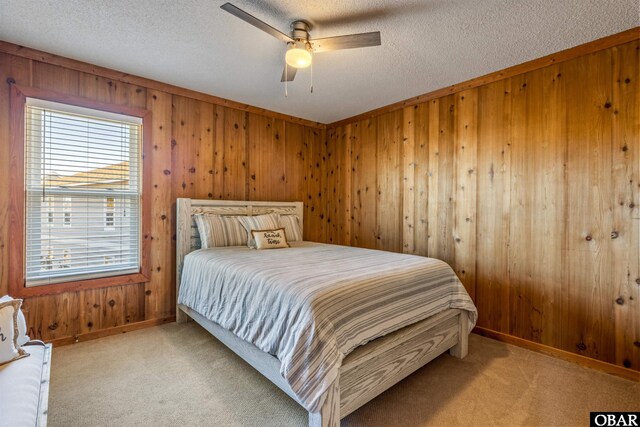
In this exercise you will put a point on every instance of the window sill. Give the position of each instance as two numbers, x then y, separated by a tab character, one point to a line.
21	291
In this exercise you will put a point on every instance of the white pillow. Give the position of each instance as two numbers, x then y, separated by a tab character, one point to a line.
291	224
23	338
219	230
258	222
9	349
270	239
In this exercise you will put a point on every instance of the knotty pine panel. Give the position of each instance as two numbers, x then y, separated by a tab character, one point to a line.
338	178
316	149
422	130
266	158
626	201
232	146
408	179
296	166
528	187
389	195
442	243
159	299
199	149
589	208
493	214
466	174
364	185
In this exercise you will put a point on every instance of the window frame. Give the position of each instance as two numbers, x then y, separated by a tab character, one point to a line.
17	206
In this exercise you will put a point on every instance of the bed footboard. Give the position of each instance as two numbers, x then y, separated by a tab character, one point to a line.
367	371
329	414
373	368
462	347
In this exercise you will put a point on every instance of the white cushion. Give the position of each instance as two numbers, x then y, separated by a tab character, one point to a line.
23	338
270	239
259	222
20	383
9	348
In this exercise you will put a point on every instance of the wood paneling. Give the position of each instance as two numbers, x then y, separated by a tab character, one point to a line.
364	184
535	64
159	301
527	186
72	65
389	190
493	213
198	149
316	148
337	169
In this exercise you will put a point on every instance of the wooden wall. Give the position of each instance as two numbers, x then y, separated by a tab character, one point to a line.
200	149
529	187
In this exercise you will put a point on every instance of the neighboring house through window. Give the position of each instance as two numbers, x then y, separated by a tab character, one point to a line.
109	212
66	212
50	214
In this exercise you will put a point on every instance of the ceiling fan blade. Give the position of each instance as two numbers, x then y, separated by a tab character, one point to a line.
288	76
346	42
239	13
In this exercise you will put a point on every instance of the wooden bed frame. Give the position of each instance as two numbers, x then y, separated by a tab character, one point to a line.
368	370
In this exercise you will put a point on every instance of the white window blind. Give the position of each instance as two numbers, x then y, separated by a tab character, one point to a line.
83	187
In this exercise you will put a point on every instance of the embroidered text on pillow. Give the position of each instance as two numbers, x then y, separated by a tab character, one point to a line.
270	239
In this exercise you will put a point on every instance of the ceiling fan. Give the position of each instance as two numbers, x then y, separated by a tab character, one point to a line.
301	47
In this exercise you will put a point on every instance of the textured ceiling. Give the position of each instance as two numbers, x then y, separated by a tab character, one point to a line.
426	45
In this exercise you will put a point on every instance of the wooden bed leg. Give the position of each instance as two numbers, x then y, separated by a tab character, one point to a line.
181	316
329	414
460	350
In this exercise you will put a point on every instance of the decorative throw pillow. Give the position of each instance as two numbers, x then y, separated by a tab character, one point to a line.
219	230
291	224
270	239
258	222
9	349
23	338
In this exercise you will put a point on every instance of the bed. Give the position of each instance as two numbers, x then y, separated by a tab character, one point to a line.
332	326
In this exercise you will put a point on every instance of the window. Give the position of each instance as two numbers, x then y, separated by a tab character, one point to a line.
88	162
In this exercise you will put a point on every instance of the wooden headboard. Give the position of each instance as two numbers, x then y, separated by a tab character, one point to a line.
187	237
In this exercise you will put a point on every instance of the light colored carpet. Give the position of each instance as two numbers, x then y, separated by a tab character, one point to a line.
180	375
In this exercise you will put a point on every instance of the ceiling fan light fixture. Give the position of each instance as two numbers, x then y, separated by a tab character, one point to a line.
298	56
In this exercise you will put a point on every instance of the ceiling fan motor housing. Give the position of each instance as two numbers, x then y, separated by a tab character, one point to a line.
300	31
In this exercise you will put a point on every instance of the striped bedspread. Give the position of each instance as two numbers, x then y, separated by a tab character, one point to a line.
312	304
